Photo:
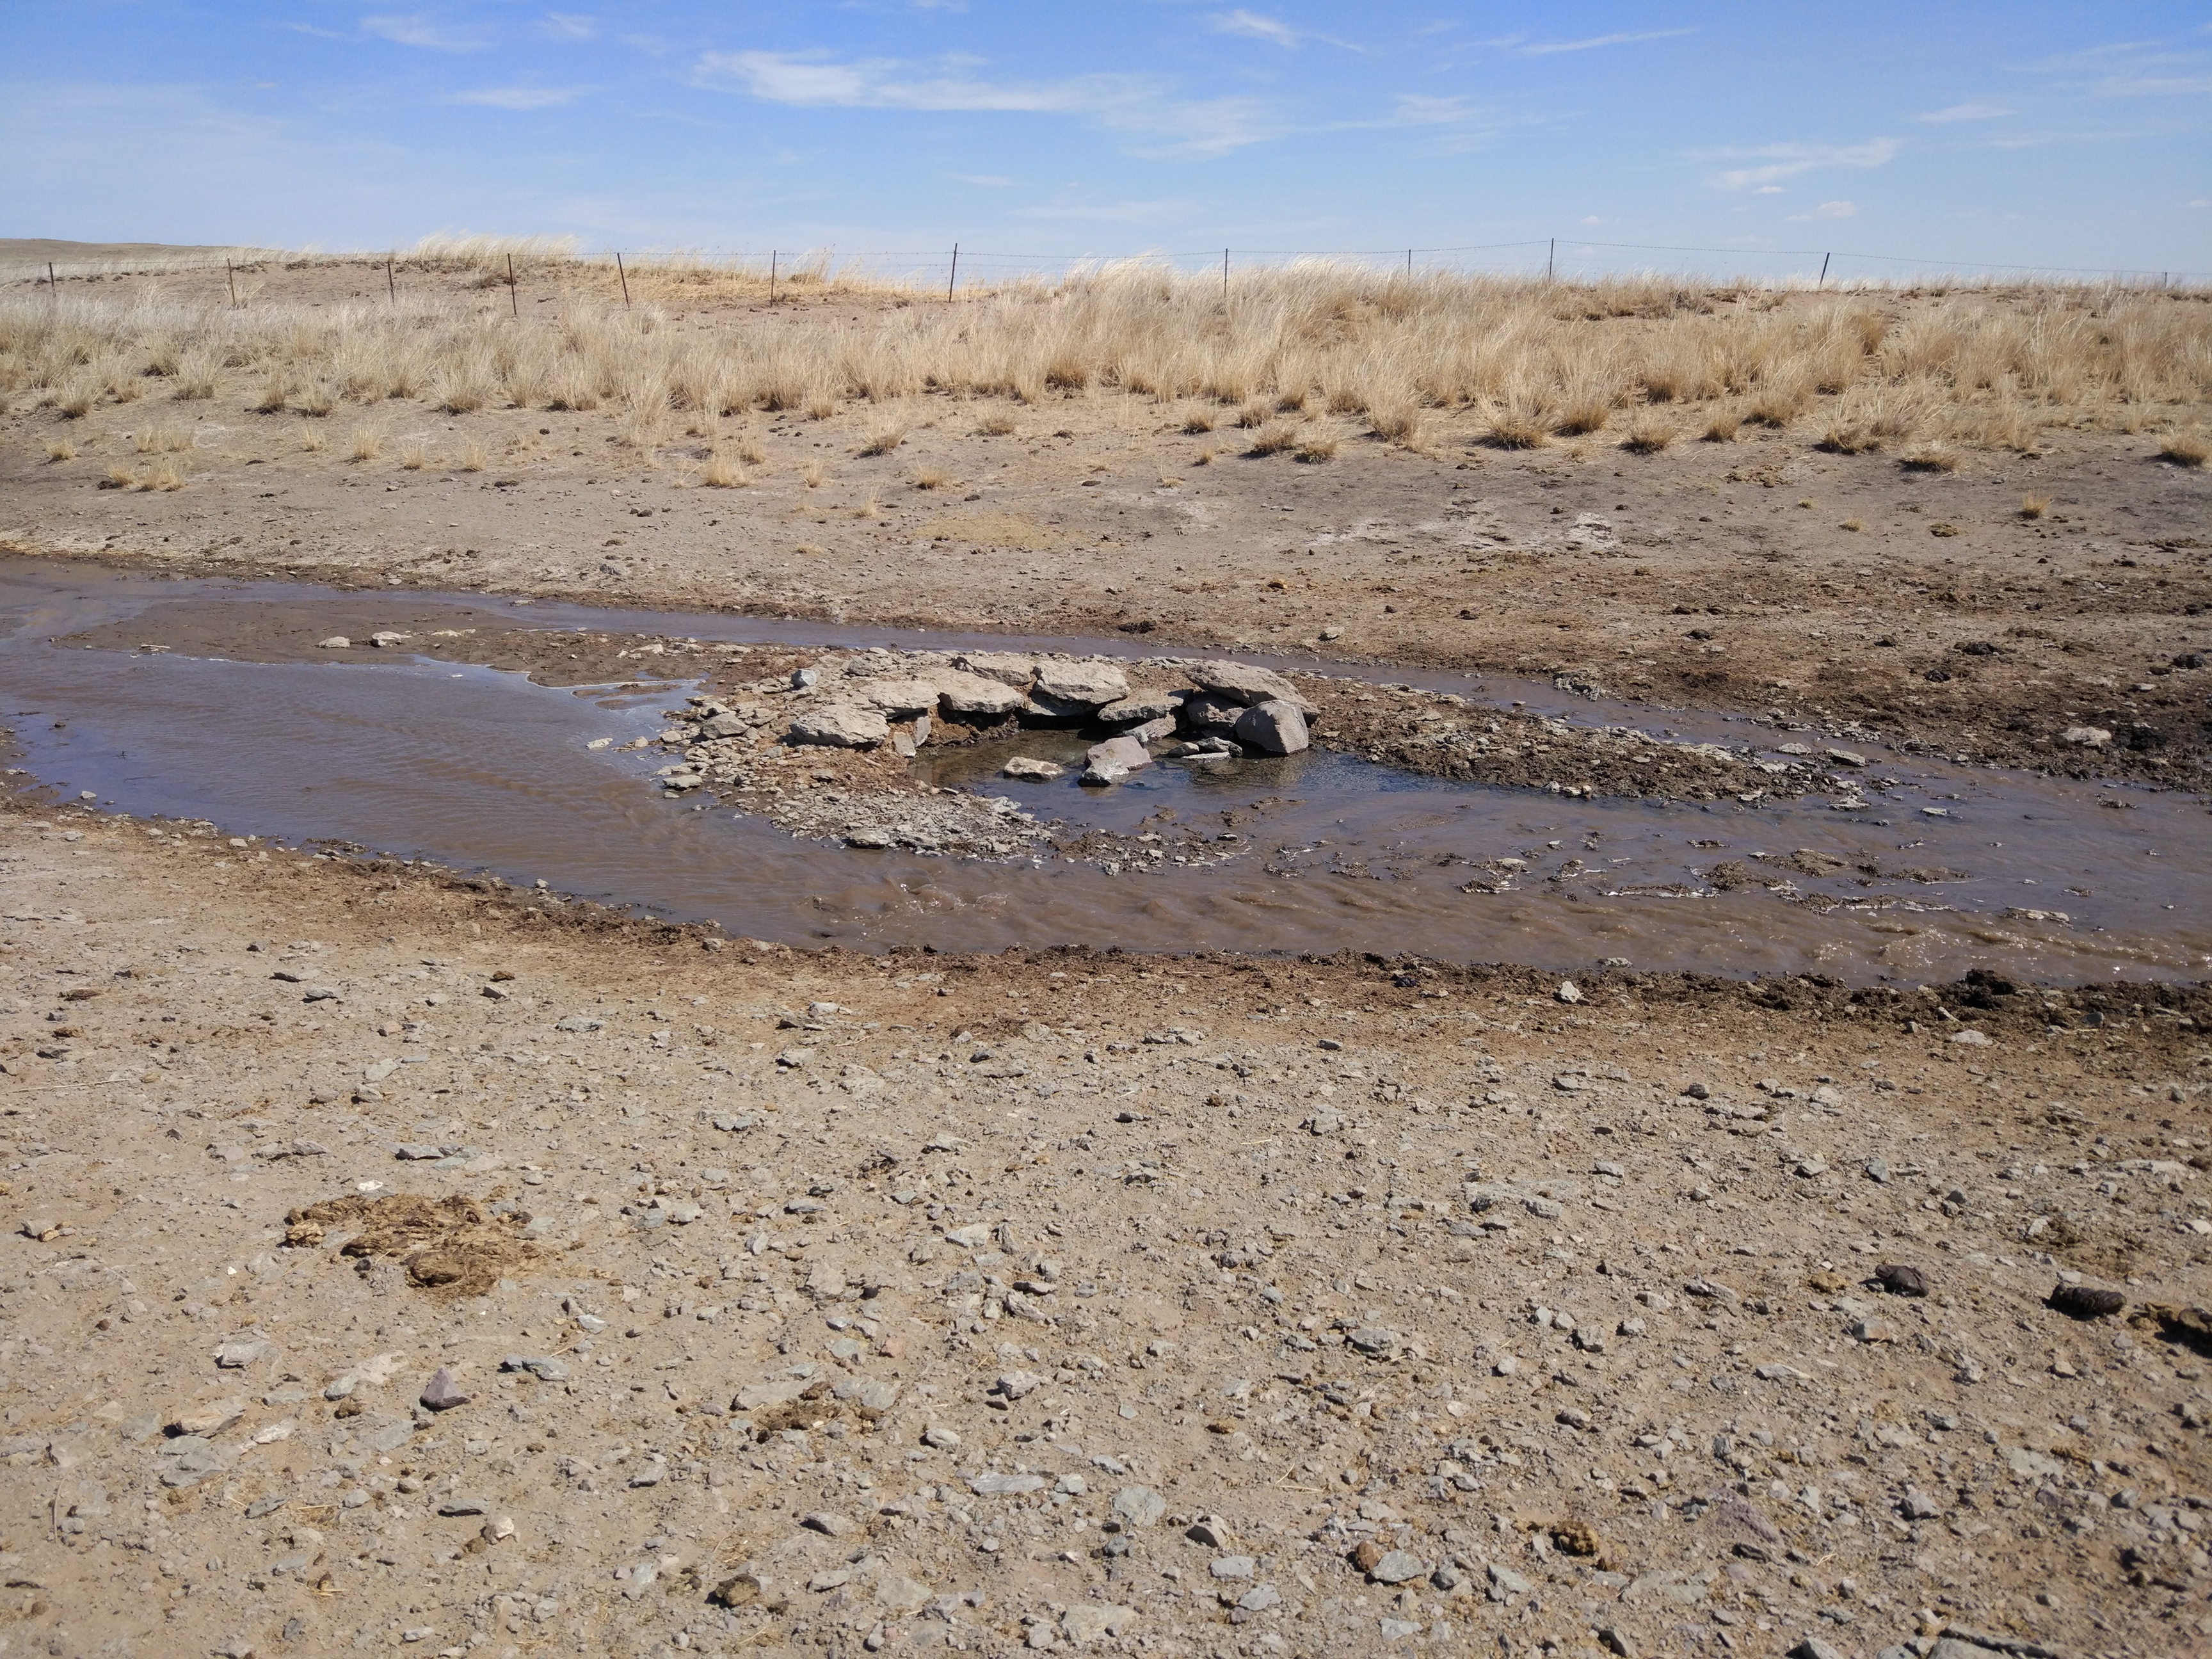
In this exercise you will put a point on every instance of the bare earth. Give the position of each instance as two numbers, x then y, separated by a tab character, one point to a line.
1210	1306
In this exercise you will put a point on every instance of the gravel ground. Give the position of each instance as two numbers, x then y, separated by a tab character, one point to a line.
809	1302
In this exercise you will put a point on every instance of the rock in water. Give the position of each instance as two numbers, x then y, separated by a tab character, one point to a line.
841	726
1114	760
1273	727
1021	766
1240	684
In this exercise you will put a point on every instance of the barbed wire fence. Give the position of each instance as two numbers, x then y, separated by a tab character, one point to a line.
958	269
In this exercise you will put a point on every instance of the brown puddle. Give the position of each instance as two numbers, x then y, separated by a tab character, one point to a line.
480	769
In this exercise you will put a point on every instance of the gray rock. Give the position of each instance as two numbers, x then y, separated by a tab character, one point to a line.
1375	1341
1013	1385
1814	1648
870	1397
1505	1581
1210	1530
1093	684
778	1390
1232	1566
1260	1598
830	1525
1137	1507
1021	766
458	1506
907	697
868	839
1209	716
1240	684
543	1367
977	696
991	1483
1274	727
840	725
1007	667
1399	1567
1143	706
1114	760
442	1393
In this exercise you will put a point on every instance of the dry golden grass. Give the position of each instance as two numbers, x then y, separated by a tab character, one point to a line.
414	454
161	440
1483	358
2186	449
1648	435
1315	449
473	457
721	472
1722	428
2034	507
1852	525
1273	440
1205	457
813	475
883	440
931	477
1930	458
367	443
748	449
60	449
870	507
118	477
311	439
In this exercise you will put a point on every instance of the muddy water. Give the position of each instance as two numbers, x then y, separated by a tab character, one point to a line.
480	768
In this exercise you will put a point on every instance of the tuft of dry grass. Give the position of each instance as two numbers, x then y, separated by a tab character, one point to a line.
163	475
883	440
161	440
1252	416
820	408
1517	425
2032	506
75	401
60	449
1273	440
813	474
1398	423
1930	458
118	477
870	507
1314	450
414	454
318	398
1584	414
1205	457
931	477
721	472
1722	428
275	393
1198	420
2186	449
311	439
367	443
473	457
997	424
1852	525
1648	435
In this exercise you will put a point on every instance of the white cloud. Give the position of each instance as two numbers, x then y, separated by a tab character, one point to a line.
1548	48
1130	103
519	97
1250	23
1826	210
1780	161
415	29
2202	202
1965	113
988	181
568	25
1590	219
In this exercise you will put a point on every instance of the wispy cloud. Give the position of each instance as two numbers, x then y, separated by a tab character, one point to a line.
519	97
1250	23
1826	210
1780	161
1130	103
988	181
1528	48
568	25
1965	113
417	29
2134	68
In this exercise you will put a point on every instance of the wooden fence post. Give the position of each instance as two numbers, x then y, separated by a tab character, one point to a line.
513	302
955	276
624	275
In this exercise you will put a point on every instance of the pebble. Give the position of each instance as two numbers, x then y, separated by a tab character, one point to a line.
1137	1507
1901	1280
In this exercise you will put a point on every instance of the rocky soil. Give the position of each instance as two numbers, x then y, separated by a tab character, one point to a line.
397	1261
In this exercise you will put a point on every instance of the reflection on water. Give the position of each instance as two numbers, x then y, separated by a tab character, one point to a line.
1319	852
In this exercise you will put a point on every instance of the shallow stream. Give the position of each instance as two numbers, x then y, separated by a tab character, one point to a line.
480	769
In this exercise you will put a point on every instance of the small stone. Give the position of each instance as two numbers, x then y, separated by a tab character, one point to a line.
1918	1505
2086	736
1877	1171
1568	991
1367	1554
1375	1341
1110	761
442	1393
870	1397
1260	1598
1241	683
2086	1301
1013	1385
336	642
1232	1566
1021	766
38	1227
1210	1530
830	1525
458	1506
1137	1507
1089	1622
1093	684
212	1418
1901	1280
1397	1567
942	1439
868	838
1505	1581
991	1483
1814	1648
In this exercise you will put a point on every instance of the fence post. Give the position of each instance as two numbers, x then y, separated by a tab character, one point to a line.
1409	265
771	279
390	284
624	275
1823	282
1551	259
514	299
955	276
230	275
53	283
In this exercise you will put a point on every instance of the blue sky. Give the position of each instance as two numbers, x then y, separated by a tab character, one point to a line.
2017	133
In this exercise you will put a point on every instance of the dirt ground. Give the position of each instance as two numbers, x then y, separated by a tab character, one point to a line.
1848	593
809	1302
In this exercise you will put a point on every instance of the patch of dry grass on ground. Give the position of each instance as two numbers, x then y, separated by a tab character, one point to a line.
1419	359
